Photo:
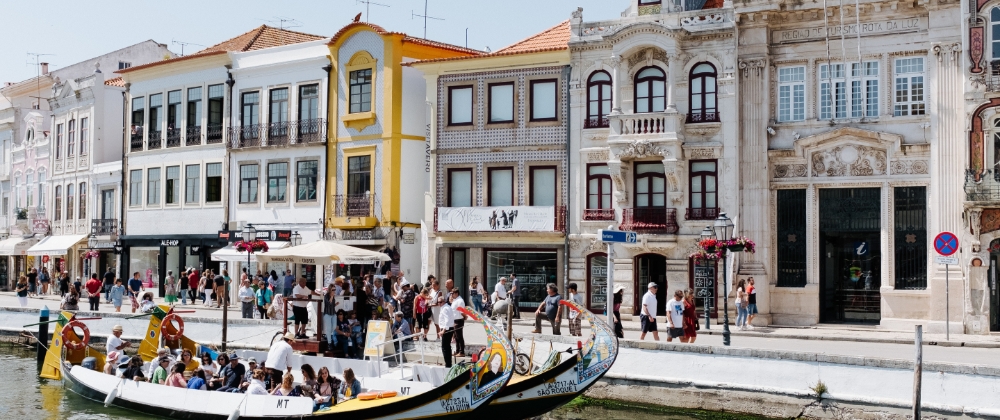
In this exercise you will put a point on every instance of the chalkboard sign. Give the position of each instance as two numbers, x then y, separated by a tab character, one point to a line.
598	283
704	283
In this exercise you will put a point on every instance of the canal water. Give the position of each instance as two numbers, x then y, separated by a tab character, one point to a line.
24	395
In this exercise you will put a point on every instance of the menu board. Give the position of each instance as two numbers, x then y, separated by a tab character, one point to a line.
704	283
598	285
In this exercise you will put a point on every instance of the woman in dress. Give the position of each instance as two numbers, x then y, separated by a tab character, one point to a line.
421	313
617	305
170	288
176	378
117	294
22	291
328	388
286	389
351	387
63	284
690	318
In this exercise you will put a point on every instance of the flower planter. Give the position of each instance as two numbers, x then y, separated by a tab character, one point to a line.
736	248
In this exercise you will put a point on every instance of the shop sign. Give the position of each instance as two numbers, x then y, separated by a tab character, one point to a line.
409	238
169	242
40	226
96	244
264	235
496	219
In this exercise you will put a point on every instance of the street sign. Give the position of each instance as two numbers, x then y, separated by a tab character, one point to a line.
946	260
861	247
618	236
946	243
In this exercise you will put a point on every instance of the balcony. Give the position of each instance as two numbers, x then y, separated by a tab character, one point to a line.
703	117
982	187
214	134
356	211
654	220
701	213
136	140
173	137
155	140
599	214
192	136
596	122
103	227
646	123
278	133
500	219
282	133
245	136
310	131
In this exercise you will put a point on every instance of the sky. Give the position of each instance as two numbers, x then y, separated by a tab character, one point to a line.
73	31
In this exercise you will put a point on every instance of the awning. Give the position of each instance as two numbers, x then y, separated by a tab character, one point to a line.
56	245
16	245
324	253
230	253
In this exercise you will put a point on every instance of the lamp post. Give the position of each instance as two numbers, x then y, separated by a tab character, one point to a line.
708	233
296	240
724	232
249	233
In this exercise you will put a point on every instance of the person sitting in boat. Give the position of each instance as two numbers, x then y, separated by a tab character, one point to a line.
176	378
256	386
328	387
115	342
189	361
161	353
215	382
400	329
351	386
232	374
197	380
309	386
208	365
159	375
111	363
134	370
287	389
248	377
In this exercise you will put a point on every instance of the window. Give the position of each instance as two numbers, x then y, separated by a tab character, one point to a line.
460	105
650	184
153	186
41	189
910	223
192	174
598	100
306	173
501	102
995	30
361	90
213	182
71	139
650	90
543	186
704	187
69	202
173	110
791	94
135	187
29	187
460	187
58	199
277	181
702	94
279	106
155	105
84	135
791	238
194	107
248	182
359	174
543	100
82	214
501	181
909	87
122	65
308	102
216	100
251	108
598	190
138	115
59	140
173	185
836	98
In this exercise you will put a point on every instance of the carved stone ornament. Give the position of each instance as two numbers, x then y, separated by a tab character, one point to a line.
619	173
642	148
849	160
701	153
597	156
578	13
752	66
908	167
797	170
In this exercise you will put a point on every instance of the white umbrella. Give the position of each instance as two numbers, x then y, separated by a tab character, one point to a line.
322	253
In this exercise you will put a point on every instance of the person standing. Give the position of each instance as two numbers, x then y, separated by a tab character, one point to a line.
33	282
675	316
193	278
575	323
279	358
44	279
406	300
63	284
170	288
109	282
134	288
553	311
477	293
219	283
647	314
690	318
94	292
264	297
446	320
301	308
458	303
741	304
617	299
752	305
287	285
438	300
246	299
117	294
515	295
22	291
330	316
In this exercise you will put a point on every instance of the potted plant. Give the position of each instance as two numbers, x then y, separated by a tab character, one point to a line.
251	246
741	244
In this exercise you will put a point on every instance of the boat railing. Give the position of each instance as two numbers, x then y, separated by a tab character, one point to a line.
398	354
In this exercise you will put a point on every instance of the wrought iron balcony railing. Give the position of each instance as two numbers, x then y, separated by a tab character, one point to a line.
703	117
655	220
214	134
310	131
982	186
192	136
703	213
103	226
282	133
135	144
155	140
173	137
356	205
599	214
596	122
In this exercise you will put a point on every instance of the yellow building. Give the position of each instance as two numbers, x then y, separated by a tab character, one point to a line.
378	166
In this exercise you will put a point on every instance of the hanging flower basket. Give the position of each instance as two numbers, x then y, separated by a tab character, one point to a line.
90	254
251	246
712	249
742	244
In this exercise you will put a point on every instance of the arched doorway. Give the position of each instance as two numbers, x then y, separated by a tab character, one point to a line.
650	268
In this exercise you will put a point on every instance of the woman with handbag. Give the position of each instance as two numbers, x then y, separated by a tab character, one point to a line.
741	305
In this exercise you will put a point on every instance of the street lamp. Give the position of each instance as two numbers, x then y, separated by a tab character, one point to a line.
724	232
296	239
708	233
249	234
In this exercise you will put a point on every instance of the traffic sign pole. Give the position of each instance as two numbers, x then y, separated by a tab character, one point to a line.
610	237
946	244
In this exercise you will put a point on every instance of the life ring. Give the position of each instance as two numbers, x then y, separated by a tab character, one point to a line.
168	320
376	395
71	344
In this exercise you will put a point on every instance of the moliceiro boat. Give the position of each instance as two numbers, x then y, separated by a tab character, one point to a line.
558	382
398	394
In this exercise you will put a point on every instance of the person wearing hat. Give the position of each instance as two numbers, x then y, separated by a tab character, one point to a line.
400	329
279	358
552	310
111	363
248	376
617	299
232	375
115	342
161	354
647	314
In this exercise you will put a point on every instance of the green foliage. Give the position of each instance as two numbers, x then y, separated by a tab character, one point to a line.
819	389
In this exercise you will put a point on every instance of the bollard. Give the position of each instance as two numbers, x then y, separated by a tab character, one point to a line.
918	368
43	336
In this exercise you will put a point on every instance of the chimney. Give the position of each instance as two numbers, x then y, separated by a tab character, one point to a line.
45	68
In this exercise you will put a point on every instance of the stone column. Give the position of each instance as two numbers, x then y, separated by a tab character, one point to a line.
754	172
616	84
672	62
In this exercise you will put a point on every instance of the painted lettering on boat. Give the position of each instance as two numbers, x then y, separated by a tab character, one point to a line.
283	403
404	390
452	405
555	388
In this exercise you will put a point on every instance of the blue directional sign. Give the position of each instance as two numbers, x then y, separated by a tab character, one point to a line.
618	236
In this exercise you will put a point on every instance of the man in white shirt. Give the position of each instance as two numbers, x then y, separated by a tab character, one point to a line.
575	323
300	309
501	289
279	358
446	320
115	342
161	354
675	316
647	314
456	303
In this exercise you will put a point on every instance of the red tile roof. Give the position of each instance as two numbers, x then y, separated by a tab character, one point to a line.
258	38
118	81
555	38
406	38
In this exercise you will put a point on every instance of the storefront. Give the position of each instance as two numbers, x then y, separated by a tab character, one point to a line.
534	269
63	254
151	256
13	258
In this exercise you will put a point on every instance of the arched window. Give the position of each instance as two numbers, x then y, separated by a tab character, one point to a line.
82	214
995	34
598	100
650	90
58	215
702	92
597	276
69	202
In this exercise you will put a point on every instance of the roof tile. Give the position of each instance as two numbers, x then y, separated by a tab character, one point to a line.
406	38
118	81
555	38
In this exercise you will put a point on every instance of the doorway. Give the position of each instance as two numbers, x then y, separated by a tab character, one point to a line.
460	272
650	268
107	204
850	255
994	290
